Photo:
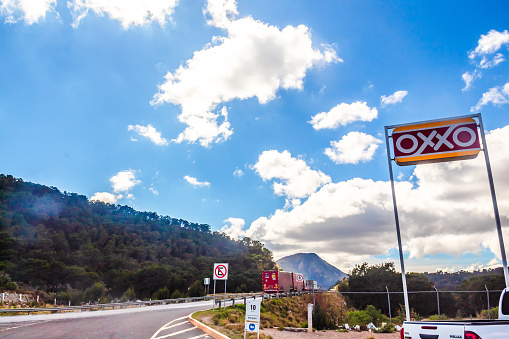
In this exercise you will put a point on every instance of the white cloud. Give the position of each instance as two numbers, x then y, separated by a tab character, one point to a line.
106	197
353	148
235	228
490	43
148	132
344	114
238	173
30	11
446	209
253	60
487	44
496	96
124	181
195	182
497	59
128	12
392	99
297	180
469	79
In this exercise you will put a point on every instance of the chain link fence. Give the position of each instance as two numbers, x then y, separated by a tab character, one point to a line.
423	304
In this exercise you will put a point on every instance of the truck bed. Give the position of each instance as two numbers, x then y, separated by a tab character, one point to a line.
460	329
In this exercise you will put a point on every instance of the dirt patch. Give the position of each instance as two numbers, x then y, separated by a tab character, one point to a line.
276	334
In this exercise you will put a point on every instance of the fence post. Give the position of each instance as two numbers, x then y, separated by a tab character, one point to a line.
389	302
488	295
438	302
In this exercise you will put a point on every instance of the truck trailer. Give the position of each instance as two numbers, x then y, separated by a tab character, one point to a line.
281	281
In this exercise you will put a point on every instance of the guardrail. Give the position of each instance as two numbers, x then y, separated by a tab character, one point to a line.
219	300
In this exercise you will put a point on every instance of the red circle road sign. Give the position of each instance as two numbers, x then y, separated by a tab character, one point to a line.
221	272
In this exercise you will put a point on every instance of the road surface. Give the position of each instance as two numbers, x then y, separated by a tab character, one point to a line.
166	321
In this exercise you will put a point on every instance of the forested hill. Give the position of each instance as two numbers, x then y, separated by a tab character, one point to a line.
64	244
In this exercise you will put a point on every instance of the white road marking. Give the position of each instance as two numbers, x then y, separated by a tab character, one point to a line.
166	326
199	336
175	333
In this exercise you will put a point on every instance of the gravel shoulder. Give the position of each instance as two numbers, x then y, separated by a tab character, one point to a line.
276	334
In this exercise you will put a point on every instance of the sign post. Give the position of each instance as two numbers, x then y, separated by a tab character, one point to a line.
220	273
439	141
252	317
206	282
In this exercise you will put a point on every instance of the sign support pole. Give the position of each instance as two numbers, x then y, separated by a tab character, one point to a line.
214	303
225	294
403	276
494	198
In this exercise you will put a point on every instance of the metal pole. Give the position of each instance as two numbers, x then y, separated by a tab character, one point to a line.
438	302
494	198
214	302
488	295
225	294
403	276
389	302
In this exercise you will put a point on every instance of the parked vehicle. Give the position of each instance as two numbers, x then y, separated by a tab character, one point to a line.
281	281
461	329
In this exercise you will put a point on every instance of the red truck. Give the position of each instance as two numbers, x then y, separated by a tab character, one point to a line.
280	281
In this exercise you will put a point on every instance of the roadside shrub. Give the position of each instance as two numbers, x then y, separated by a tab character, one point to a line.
322	320
437	317
492	315
387	328
162	293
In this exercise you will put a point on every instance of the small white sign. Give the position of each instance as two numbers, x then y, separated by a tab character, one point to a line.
220	271
206	281
253	315
252	327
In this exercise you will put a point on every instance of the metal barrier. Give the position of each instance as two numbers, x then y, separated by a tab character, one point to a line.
121	305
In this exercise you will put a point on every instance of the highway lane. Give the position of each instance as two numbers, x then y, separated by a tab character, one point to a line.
168	321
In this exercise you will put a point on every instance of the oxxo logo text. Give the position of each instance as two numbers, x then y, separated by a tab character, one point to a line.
436	142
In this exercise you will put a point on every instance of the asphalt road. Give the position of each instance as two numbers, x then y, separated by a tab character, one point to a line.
167	321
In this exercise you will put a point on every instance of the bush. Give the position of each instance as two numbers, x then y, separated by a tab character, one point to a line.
387	328
196	289
438	317
322	320
129	295
492	315
162	293
94	292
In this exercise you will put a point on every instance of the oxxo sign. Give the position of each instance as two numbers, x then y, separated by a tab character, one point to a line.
436	142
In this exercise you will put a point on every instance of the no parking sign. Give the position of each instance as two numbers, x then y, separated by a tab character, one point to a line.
220	271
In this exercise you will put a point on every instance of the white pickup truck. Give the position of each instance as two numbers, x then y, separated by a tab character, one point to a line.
461	329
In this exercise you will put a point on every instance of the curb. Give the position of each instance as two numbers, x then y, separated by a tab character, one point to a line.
210	331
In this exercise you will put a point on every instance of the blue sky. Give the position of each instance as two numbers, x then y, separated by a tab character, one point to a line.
264	118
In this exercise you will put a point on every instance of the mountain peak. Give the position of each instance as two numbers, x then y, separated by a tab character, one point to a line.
313	267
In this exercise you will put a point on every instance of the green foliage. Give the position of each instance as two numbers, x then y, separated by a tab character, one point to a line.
161	294
6	283
376	278
475	303
387	328
493	313
196	289
364	317
94	292
177	294
322	320
129	295
54	241
438	317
